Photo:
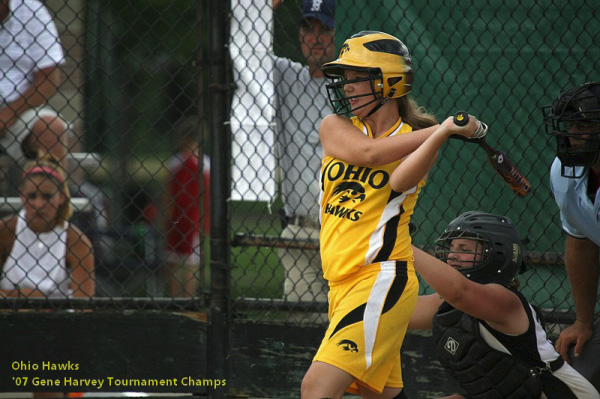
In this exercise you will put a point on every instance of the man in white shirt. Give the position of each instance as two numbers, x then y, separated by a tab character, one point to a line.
293	95
301	103
30	55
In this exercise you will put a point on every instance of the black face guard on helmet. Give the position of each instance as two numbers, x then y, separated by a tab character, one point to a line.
497	257
480	254
574	120
341	102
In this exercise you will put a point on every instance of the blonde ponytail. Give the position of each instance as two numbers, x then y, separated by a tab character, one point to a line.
415	115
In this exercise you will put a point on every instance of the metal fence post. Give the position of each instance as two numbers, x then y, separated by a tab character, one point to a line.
217	112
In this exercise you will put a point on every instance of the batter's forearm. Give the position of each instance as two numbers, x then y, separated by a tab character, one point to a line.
414	167
45	84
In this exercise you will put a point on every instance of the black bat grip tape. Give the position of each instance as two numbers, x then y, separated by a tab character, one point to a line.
461	118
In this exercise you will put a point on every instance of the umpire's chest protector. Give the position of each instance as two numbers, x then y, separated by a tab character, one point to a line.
482	371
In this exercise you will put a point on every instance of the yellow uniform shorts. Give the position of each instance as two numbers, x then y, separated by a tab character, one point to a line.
369	314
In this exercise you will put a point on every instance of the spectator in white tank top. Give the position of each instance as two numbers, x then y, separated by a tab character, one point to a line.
41	253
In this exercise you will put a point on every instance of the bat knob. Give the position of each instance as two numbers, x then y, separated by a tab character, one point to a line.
461	118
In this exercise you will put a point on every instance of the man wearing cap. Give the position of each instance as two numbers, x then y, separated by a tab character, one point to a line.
301	103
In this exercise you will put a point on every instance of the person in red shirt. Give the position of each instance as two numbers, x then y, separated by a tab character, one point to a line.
183	212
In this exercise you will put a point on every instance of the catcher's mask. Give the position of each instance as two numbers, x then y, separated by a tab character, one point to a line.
383	57
496	257
574	119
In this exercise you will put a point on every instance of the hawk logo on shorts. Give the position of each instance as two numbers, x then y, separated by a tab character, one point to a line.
348	345
350	191
451	345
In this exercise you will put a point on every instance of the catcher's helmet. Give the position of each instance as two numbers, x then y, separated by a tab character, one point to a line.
497	257
386	60
575	115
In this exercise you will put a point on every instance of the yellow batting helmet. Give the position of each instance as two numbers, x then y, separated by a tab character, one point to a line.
384	57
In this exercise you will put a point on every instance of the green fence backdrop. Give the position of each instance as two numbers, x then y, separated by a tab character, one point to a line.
500	60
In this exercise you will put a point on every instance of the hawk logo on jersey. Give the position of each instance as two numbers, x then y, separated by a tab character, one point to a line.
348	346
353	179
350	191
345	48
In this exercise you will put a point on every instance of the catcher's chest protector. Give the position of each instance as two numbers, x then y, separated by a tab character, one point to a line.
482	371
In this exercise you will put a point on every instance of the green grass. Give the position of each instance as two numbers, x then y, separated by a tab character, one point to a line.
257	272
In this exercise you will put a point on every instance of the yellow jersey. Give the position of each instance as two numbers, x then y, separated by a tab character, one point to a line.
363	221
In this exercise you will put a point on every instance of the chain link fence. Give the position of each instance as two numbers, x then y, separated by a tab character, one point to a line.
500	61
134	100
111	91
